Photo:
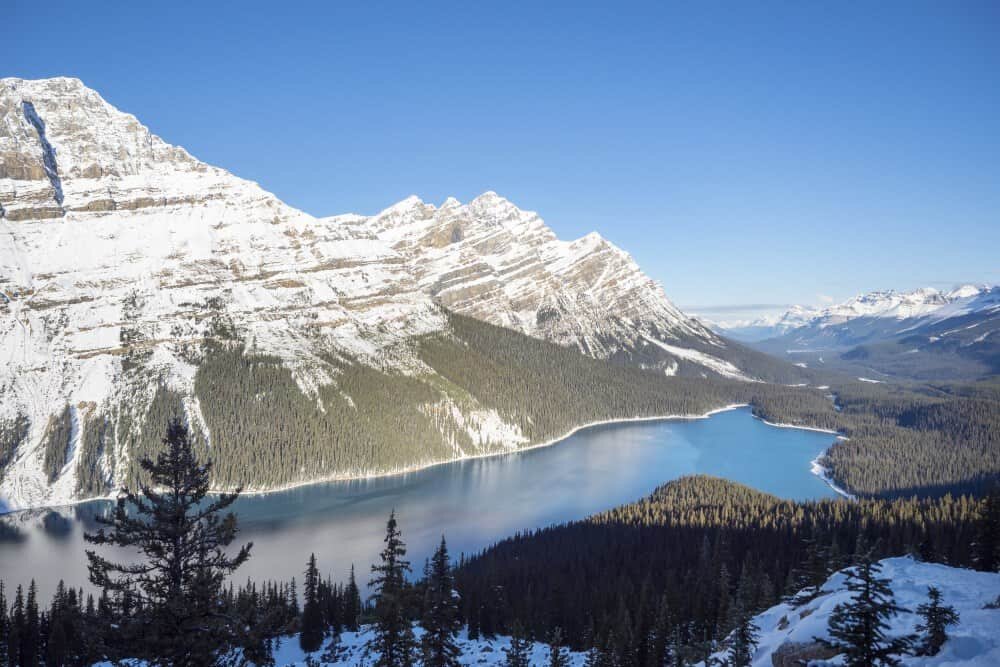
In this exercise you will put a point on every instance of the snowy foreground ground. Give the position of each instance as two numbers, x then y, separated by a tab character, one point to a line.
484	652
785	629
975	641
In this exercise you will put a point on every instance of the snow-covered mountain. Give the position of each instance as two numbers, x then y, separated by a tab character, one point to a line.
889	305
893	305
788	632
924	334
490	260
766	326
121	254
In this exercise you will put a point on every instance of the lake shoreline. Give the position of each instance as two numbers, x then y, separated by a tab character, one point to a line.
815	467
259	492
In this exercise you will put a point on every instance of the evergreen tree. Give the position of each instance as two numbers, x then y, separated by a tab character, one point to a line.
182	536
557	652
743	641
858	627
809	577
352	604
31	638
518	653
677	649
4	626
441	619
658	653
987	544
936	618
293	599
15	644
392	635
312	631
58	644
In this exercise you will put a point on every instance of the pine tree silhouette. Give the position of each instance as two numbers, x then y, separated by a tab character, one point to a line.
441	620
936	618
858	627
392	637
173	616
311	634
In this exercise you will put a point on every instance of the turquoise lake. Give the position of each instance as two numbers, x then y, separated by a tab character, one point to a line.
473	502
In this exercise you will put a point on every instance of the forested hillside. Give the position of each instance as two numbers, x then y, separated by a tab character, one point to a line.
482	389
475	389
674	568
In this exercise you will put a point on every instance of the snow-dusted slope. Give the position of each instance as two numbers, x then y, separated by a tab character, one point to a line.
917	304
120	254
924	334
922	304
490	260
767	326
350	651
788	632
875	315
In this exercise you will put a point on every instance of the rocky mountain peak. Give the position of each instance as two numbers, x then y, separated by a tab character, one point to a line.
64	150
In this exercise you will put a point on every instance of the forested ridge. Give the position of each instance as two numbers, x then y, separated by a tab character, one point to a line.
901	440
680	562
264	431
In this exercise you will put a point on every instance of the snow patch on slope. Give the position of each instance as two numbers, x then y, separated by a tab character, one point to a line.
716	365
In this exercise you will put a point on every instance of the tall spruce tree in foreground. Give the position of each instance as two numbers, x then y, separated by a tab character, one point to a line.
858	627
936	618
352	604
743	641
15	637
31	639
441	621
176	617
311	634
986	549
392	635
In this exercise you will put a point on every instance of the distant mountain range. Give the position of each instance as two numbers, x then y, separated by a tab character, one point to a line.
124	261
924	334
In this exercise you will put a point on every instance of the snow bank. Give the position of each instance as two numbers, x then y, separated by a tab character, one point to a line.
974	641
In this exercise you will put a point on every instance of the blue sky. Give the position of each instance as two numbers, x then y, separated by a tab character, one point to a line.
743	152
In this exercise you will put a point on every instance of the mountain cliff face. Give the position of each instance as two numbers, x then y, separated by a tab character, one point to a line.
490	260
122	258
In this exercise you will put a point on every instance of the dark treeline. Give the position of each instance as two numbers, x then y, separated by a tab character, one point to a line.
681	567
666	580
916	440
78	629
